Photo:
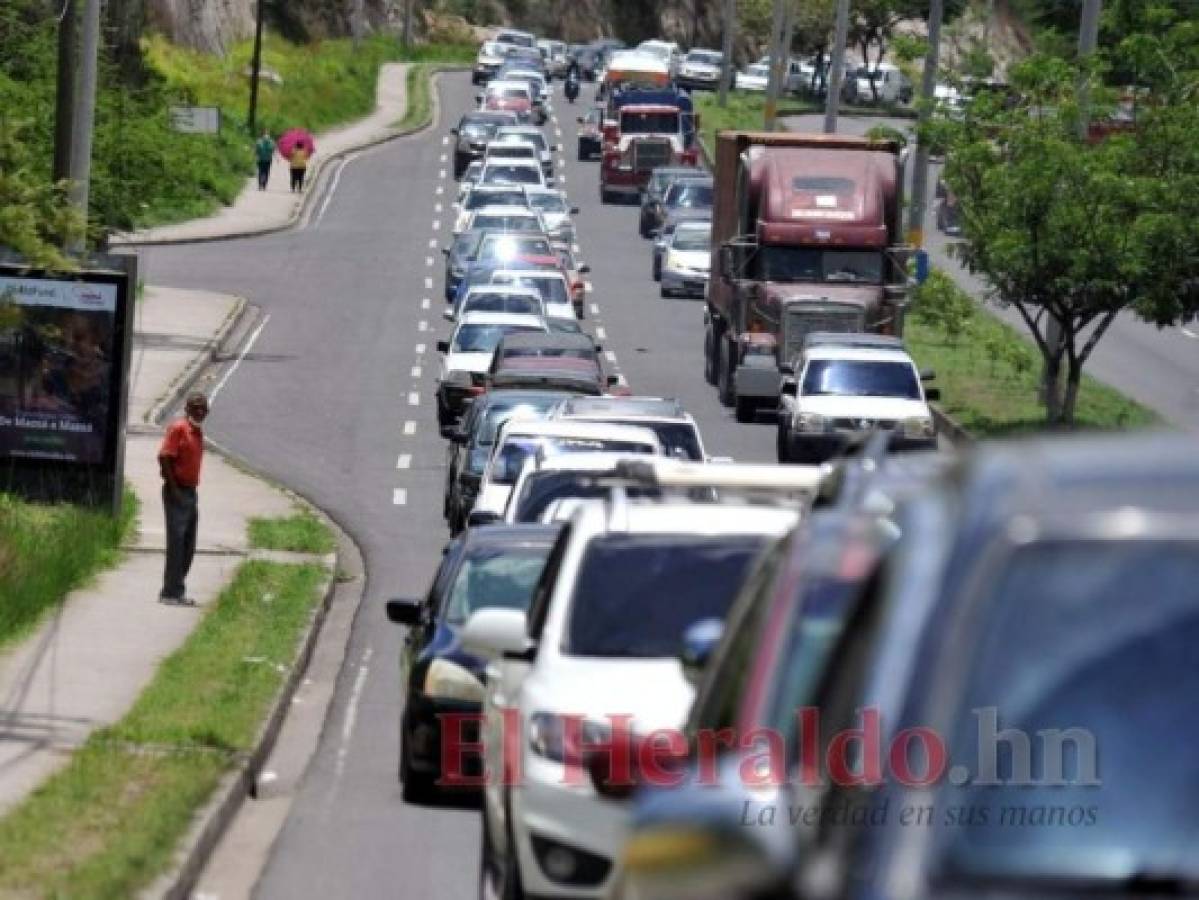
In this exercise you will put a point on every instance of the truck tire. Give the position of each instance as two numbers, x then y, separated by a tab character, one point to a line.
606	195
746	410
782	446
709	362
724	373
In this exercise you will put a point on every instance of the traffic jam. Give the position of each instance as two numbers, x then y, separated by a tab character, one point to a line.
884	666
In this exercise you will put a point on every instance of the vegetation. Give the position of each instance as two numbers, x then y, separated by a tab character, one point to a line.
109	822
299	533
48	550
989	373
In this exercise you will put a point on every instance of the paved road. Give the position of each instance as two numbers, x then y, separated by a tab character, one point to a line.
1158	367
323	402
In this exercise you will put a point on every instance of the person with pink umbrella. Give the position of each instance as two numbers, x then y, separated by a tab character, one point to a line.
297	146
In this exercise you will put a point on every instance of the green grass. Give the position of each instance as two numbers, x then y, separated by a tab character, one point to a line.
299	533
108	824
418	106
48	550
989	375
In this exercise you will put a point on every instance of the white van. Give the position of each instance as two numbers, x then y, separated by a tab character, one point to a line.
892	85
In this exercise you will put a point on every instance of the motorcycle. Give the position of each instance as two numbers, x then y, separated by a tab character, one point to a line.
572	88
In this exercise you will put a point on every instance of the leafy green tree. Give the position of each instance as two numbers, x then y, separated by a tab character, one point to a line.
1077	230
35	219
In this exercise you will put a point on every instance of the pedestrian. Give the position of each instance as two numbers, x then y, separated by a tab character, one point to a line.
264	153
299	166
179	460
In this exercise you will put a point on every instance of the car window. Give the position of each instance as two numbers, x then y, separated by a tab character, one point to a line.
689	195
510	174
509	246
692	239
552	203
544	592
481	199
500	577
505	222
860	378
552	290
478	338
521	304
525	408
636	595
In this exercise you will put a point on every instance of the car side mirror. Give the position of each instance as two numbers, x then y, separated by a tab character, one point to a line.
495	633
927	374
599	348
580	120
482	517
933	394
404	610
443	346
574	210
613	380
454	130
584	269
448	314
789	388
478	98
445	251
698	643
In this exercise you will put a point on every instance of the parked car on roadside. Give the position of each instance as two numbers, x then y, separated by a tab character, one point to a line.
700	69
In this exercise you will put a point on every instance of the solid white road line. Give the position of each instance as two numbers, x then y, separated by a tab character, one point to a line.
413	398
237	362
333	186
410	428
399	497
405	461
347	725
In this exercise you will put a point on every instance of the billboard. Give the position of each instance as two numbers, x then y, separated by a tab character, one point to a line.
64	351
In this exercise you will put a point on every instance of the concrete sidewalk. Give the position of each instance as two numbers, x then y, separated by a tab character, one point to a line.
276	208
86	665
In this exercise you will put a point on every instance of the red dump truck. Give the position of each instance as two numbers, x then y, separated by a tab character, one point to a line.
806	236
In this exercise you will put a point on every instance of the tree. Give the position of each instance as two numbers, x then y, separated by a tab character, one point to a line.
1079	230
35	218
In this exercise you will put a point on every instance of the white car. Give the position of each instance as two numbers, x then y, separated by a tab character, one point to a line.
752	78
485	197
666	52
686	260
700	69
511	37
890	83
554	54
493	299
596	654
487	62
556	211
466	356
470	178
513	171
519	440
845	386
533	135
675	427
551	284
521	150
547	479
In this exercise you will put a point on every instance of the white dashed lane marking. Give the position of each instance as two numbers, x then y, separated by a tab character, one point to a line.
595	309
422	325
399	497
405	461
416	371
601	334
610	356
428	284
409	428
424	304
420	349
413	399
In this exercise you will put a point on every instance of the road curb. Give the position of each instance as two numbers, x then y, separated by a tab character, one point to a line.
950	427
322	165
191	373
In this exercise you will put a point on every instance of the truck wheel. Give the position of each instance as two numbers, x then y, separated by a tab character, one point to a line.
724	374
582	153
746	410
709	362
657	272
605	196
782	446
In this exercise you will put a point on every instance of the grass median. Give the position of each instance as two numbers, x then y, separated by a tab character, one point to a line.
299	533
109	823
47	550
989	372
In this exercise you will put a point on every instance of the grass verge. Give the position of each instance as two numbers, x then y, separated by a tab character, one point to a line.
48	550
989	372
299	533
108	824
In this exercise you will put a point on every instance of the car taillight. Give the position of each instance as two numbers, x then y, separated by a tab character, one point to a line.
690	157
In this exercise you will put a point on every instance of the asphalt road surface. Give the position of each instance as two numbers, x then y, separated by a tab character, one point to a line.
335	398
1157	366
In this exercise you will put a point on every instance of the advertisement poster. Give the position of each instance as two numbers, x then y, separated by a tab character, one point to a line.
57	341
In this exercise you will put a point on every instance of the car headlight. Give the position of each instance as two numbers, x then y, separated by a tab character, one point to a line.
919	427
446	680
564	738
672	260
811	422
455	272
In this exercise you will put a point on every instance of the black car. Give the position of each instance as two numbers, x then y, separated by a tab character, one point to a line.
651	198
485	567
472	133
470	444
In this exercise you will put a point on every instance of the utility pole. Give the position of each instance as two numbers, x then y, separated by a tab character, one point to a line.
64	100
255	69
357	14
836	69
407	33
84	118
928	90
726	64
777	66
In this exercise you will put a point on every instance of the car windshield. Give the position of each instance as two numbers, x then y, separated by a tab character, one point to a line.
478	338
484	301
481	199
524	408
1111	799
758	71
542	489
637	594
678	439
795	264
709	57
508	246
511	151
551	203
536	138
552	290
510	174
506	222
689	195
549	352
495	577
514	93
649	122
692	239
860	378
478	130
517	450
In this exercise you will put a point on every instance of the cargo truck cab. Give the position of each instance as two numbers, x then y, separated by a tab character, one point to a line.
641	138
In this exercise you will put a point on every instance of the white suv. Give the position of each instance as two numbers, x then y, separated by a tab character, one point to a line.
597	655
674	426
846	386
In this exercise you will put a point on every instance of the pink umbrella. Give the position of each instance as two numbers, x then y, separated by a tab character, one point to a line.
296	137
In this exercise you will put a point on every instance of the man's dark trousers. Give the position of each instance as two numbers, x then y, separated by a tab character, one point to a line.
182	516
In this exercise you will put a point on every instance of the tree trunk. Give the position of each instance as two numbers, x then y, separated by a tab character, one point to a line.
1070	399
1052	387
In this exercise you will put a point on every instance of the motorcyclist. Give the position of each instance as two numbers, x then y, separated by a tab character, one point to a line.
572	81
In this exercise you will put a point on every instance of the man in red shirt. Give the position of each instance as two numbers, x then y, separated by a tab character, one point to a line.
179	460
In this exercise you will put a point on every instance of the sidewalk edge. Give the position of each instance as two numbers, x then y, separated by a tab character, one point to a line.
321	166
950	427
